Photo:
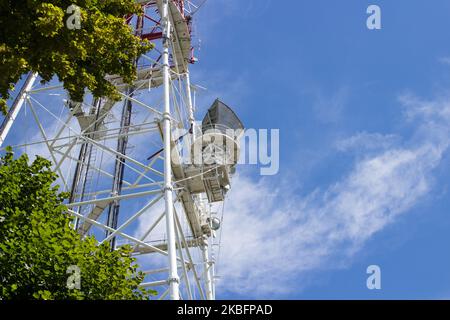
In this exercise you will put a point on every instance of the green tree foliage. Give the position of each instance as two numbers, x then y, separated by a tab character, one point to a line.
38	245
34	37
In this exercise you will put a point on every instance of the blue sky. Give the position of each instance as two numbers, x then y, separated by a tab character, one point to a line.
364	120
363	124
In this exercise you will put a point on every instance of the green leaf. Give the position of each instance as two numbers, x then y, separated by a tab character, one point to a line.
38	41
38	245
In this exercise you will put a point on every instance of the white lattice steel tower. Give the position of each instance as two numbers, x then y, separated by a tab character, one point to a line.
124	163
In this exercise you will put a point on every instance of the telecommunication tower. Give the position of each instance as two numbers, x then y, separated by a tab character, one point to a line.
124	163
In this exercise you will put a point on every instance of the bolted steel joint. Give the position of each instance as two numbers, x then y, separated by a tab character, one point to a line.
166	116
172	280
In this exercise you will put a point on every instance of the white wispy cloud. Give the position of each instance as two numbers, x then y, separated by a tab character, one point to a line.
364	141
271	235
445	60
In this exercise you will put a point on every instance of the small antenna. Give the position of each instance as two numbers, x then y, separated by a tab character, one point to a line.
198	8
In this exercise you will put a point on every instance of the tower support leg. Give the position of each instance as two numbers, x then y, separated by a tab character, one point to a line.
207	270
189	102
17	105
173	280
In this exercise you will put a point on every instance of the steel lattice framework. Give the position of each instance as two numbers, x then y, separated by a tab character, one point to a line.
115	157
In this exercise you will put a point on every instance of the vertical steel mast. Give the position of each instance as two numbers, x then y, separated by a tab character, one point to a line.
168	188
